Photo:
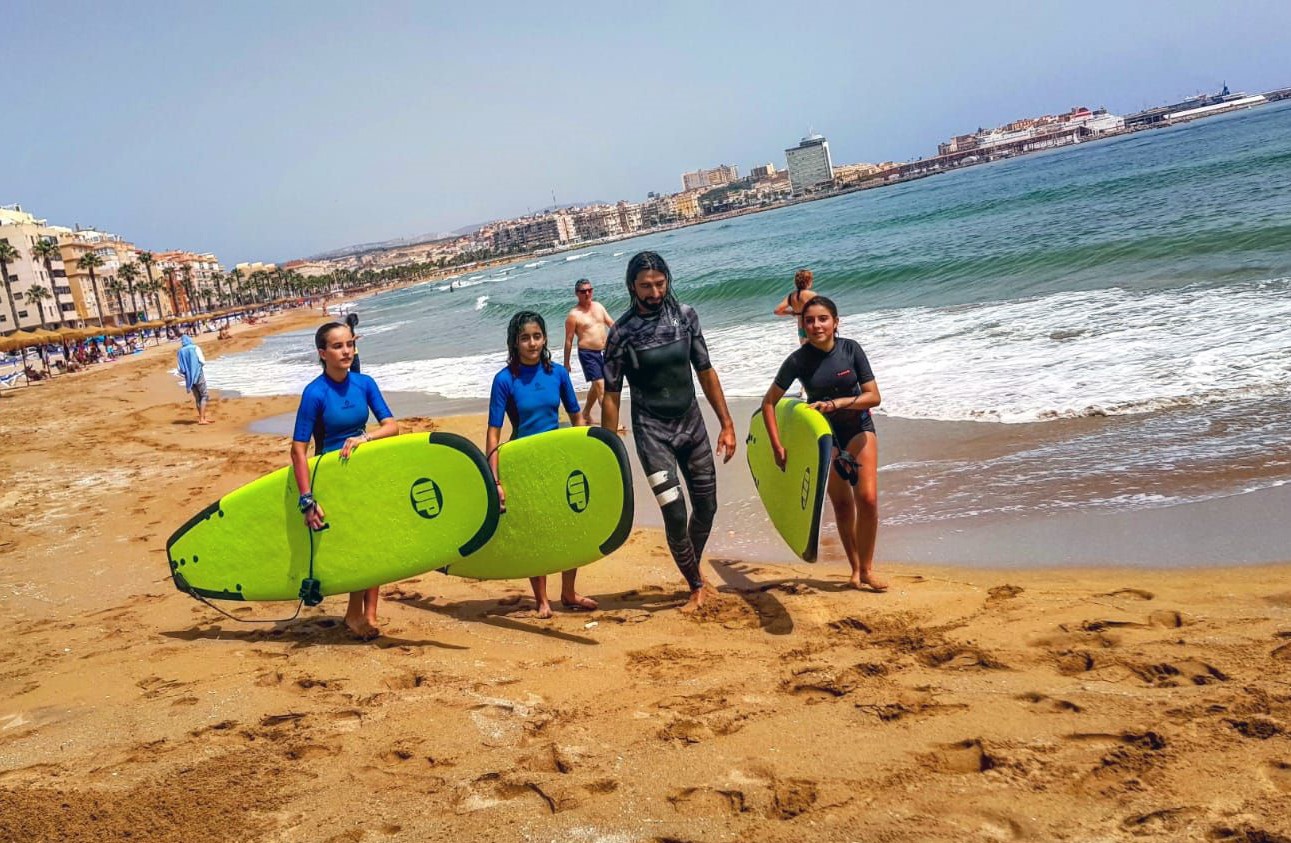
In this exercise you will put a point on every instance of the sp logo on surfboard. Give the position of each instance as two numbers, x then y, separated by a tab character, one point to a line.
577	493
426	498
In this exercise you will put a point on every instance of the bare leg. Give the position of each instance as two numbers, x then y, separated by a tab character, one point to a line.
594	393
356	616
539	585
866	493
840	496
569	596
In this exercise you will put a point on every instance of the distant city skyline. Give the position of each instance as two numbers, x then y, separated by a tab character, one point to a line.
265	133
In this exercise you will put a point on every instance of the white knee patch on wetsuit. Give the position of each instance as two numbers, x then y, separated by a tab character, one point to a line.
668	495
654	480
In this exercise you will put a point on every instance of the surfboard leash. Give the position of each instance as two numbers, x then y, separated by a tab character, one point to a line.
311	590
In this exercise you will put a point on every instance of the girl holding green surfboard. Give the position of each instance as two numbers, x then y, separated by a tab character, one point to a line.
530	391
839	383
333	414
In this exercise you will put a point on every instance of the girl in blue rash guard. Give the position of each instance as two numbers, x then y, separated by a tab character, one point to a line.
836	375
530	391
334	415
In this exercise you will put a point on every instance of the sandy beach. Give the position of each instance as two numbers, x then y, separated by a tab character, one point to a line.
966	704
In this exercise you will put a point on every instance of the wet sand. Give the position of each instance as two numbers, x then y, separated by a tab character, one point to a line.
973	703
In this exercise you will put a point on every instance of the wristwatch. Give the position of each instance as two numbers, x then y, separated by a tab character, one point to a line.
307	502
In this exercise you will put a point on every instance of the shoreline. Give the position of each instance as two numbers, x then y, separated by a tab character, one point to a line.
1126	704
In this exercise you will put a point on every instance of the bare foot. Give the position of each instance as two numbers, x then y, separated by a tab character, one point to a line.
696	601
362	629
578	603
544	611
868	583
205	421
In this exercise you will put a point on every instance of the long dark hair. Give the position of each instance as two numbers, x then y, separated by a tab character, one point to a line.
320	337
643	261
518	321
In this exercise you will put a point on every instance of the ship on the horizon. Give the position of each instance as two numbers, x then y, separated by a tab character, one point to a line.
1202	105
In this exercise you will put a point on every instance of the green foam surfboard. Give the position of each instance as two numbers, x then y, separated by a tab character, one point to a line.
569	502
793	497
397	508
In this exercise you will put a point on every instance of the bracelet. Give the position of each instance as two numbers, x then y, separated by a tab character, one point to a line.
306	503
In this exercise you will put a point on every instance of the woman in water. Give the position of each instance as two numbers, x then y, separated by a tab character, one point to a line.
334	414
836	376
794	303
529	391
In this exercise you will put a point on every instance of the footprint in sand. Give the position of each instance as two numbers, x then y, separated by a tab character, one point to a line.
1170	675
1278	774
1037	698
1258	728
966	756
1138	593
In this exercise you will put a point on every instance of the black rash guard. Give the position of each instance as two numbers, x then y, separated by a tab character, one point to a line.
832	375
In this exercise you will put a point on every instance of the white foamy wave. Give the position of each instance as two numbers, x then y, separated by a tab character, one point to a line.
1102	352
534	264
618	254
380	328
481	302
579	256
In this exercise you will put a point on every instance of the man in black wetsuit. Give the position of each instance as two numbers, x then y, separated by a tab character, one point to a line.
655	345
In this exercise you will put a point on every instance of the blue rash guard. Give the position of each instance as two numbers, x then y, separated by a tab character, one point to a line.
332	412
531	399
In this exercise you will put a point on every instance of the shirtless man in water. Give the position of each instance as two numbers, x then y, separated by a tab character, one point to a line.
590	322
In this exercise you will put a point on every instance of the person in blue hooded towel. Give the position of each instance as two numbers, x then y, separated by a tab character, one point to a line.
192	365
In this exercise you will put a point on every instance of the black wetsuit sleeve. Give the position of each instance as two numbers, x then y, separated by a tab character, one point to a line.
614	360
861	364
788	372
698	345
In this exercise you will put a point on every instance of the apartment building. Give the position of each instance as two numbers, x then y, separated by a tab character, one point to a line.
19	308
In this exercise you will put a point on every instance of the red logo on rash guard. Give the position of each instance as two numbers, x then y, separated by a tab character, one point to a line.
844	372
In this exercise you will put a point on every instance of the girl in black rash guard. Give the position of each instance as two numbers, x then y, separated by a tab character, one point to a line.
839	383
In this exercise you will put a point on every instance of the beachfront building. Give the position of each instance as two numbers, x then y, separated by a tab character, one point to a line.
765	171
715	177
686	205
854	173
38	292
810	168
629	217
190	279
307	269
529	233
597	222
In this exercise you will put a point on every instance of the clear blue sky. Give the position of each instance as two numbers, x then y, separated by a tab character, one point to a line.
269	131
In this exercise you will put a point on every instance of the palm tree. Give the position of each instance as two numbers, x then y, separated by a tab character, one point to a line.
36	296
8	254
216	278
47	250
89	262
147	259
186	272
170	289
257	281
235	278
115	288
152	288
130	272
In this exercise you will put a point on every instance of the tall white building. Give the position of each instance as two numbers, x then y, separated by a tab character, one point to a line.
809	165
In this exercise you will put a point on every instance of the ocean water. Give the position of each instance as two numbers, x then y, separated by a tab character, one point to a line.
1142	283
